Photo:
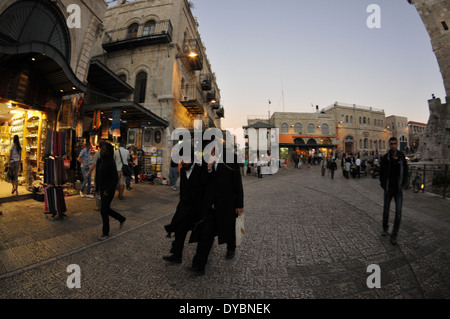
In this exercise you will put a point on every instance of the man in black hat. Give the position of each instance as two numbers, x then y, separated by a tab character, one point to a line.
223	203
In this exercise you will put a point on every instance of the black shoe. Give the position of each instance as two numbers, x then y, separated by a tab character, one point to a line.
230	254
394	241
384	233
197	271
121	223
173	259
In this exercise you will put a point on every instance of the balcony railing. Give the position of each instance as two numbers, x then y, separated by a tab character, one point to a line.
138	35
193	99
192	54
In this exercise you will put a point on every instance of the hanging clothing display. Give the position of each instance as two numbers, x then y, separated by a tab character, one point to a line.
56	143
115	125
54	202
54	172
96	121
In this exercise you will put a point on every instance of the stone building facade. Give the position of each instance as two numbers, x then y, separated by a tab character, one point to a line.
155	47
415	131
398	126
435	15
359	129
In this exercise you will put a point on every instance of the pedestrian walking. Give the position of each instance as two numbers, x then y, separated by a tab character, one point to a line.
173	171
189	208
348	164
333	167
393	176
222	204
358	166
85	162
136	166
106	181
296	159
121	157
15	157
95	158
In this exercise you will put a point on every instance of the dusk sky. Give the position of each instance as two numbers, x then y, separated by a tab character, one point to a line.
299	53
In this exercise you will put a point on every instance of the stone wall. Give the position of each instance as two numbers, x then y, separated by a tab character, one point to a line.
435	15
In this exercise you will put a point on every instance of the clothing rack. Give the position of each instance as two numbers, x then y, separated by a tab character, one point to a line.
55	174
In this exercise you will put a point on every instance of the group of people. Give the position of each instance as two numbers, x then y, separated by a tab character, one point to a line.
122	157
109	177
211	198
349	162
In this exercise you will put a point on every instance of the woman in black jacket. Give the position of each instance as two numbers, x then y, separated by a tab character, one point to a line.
106	179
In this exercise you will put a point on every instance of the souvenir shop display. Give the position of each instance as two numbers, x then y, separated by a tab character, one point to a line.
55	175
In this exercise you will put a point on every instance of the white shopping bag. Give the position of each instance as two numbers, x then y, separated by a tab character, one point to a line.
240	229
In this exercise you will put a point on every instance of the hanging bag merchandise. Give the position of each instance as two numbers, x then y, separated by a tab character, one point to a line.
240	229
126	169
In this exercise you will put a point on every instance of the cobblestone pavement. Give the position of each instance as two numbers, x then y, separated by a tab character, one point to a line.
307	237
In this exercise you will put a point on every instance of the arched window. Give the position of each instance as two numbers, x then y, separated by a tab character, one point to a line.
311	141
149	27
122	76
298	128
311	128
140	87
364	120
346	119
325	130
368	121
360	120
365	142
132	30
360	144
351	119
284	128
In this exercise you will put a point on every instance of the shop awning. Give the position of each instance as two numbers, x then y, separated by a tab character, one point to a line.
286	139
133	113
289	139
50	63
104	79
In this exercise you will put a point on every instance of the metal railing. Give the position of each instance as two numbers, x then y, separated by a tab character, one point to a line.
163	27
434	177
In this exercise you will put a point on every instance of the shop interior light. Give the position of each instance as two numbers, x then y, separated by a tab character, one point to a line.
61	91
33	59
74	88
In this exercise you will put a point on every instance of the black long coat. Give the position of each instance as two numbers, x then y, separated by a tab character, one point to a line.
192	191
224	190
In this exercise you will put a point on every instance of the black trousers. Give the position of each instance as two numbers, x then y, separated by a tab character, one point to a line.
206	240
180	238
106	211
397	195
